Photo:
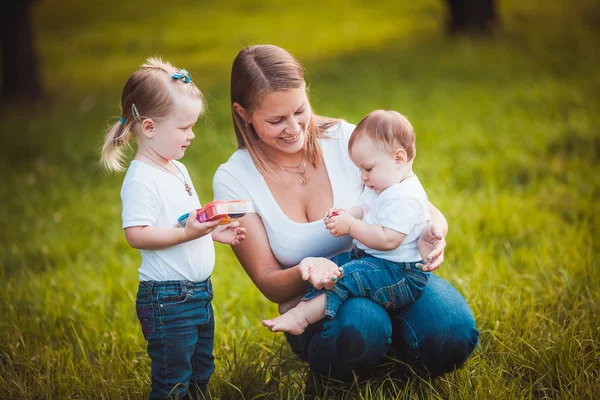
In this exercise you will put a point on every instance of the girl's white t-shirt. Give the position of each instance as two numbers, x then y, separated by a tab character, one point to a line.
152	197
291	241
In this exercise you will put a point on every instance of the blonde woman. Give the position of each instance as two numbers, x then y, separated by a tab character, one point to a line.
294	166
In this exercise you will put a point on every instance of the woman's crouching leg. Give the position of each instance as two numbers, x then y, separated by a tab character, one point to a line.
356	339
437	333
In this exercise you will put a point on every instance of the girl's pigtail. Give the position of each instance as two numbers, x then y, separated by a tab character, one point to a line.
117	137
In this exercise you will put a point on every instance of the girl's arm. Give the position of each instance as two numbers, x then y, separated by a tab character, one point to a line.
154	238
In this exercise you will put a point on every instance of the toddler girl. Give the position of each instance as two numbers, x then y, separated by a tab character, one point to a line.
160	105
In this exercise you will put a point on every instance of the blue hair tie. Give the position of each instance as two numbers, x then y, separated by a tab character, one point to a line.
182	74
121	120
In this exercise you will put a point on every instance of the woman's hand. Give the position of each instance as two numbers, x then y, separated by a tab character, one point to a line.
431	246
231	234
320	272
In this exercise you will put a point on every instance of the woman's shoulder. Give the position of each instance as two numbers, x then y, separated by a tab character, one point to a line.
233	178
240	160
341	130
336	138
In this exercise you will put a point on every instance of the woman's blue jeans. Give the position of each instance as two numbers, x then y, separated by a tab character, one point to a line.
177	321
434	335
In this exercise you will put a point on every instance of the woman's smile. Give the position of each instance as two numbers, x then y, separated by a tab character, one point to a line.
290	139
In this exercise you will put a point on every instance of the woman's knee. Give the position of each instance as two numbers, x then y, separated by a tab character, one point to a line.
356	339
437	333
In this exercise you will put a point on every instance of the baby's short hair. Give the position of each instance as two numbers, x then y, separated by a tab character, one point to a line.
386	128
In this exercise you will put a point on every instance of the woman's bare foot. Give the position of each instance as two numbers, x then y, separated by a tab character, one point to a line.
292	321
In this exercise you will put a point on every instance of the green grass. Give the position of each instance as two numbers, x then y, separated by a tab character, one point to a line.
508	148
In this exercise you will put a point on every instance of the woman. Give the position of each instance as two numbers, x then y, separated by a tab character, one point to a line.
294	166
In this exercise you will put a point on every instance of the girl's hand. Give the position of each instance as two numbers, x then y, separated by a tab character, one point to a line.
195	229
340	225
320	272
231	234
431	246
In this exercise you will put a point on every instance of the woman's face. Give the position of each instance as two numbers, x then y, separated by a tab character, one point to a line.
282	118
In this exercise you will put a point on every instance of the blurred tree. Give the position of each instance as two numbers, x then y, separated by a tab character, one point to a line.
20	76
471	16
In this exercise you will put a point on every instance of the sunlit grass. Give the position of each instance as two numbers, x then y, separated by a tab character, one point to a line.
508	147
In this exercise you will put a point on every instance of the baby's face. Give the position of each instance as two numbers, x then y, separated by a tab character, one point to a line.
379	168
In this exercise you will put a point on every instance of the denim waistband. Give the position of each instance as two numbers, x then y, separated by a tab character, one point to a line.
151	286
356	254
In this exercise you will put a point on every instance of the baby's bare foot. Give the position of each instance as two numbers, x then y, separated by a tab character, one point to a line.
292	322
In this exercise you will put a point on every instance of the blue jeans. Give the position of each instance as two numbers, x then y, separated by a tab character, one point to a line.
177	321
434	335
390	284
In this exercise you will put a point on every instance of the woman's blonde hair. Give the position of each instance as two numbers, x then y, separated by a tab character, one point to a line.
386	128
149	90
256	72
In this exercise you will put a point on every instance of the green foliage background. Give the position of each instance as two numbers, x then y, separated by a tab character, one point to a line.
509	140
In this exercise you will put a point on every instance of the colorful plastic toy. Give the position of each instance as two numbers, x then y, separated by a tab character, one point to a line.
228	210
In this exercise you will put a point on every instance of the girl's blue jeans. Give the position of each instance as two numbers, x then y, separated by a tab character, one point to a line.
177	321
434	335
390	284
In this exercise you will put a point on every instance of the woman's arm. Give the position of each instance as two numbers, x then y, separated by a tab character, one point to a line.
256	256
432	241
438	220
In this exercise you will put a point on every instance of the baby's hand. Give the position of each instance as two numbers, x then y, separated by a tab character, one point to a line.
231	234
340	225
195	229
320	272
334	211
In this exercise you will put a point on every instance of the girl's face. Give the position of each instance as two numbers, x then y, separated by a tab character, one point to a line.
172	136
282	119
379	167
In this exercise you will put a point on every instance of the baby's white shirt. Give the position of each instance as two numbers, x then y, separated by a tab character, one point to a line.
152	197
291	241
403	207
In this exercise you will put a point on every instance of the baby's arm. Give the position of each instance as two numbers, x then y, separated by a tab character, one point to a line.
152	238
375	236
371	235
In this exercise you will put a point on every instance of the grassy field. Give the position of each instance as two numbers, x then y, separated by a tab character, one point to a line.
509	143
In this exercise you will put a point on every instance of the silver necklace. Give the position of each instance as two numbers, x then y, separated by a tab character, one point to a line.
188	188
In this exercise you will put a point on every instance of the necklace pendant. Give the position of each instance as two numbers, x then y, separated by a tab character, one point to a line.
188	188
303	179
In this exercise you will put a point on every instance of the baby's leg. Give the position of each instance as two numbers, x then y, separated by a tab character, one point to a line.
288	305
298	318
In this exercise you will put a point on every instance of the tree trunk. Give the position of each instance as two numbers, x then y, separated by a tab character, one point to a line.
471	16
20	76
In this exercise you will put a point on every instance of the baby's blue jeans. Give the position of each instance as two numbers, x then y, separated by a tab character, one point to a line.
177	321
390	284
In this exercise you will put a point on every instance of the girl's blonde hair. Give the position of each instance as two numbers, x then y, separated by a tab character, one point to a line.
256	72
386	128
151	88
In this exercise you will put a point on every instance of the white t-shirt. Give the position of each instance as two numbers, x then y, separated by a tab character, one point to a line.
291	241
152	197
402	207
